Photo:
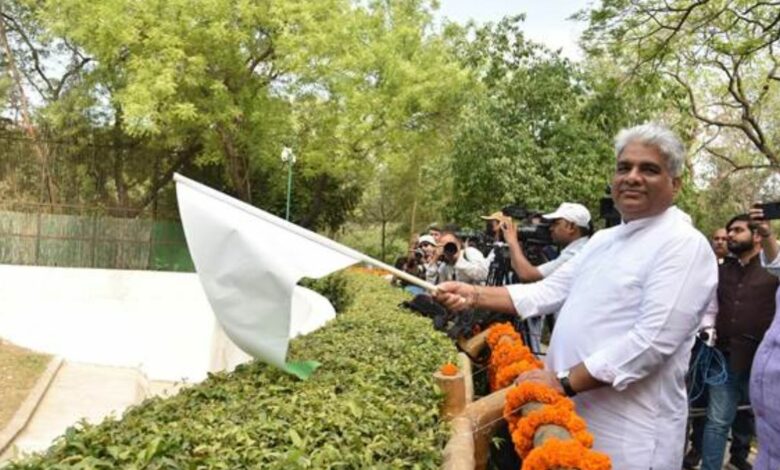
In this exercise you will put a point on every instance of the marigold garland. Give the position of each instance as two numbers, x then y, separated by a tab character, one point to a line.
449	369
506	353
509	358
523	434
527	392
498	331
371	271
555	453
506	375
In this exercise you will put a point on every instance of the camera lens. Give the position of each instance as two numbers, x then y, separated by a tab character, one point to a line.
450	248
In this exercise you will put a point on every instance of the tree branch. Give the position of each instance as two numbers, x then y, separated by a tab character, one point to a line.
16	27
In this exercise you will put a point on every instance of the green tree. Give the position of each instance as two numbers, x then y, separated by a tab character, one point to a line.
542	132
722	57
217	88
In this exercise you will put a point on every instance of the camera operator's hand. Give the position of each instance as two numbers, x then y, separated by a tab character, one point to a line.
520	264
456	296
764	229
509	231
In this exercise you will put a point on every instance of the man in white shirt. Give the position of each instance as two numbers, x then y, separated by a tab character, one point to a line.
630	303
461	263
570	229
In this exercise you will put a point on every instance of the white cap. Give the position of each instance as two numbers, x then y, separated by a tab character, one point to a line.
575	213
427	239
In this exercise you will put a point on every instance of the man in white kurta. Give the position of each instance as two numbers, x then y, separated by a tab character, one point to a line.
630	303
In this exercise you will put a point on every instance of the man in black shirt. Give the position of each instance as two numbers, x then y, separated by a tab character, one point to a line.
746	306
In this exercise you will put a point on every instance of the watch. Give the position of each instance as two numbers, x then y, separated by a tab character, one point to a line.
563	378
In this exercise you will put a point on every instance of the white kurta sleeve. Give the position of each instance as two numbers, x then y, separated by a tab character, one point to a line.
545	296
675	293
470	266
711	313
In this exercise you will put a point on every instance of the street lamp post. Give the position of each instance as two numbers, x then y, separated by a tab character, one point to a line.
288	157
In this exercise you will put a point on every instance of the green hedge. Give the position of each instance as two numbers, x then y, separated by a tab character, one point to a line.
372	404
334	287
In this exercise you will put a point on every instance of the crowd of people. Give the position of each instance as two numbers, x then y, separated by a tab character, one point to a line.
637	307
501	255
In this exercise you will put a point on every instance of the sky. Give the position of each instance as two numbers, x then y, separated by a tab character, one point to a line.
546	20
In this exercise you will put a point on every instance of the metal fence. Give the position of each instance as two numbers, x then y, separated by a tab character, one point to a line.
78	236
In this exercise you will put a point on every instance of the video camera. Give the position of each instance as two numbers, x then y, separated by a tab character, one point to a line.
529	234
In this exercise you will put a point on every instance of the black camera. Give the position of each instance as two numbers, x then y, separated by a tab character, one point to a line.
450	249
538	234
529	234
419	253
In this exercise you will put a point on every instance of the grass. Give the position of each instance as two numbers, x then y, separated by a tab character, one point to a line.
19	369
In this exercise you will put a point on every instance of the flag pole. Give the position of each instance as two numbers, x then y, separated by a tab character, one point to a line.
308	234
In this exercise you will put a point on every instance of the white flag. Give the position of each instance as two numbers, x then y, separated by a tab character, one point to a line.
249	263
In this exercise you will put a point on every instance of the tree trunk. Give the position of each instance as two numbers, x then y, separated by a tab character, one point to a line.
122	199
384	238
413	221
48	189
160	181
237	165
315	208
118	167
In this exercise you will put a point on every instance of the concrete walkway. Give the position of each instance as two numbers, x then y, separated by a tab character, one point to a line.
82	391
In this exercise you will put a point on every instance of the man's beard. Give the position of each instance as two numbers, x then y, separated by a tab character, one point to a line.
740	247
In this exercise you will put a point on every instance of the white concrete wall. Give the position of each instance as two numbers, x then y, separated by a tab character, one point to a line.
159	322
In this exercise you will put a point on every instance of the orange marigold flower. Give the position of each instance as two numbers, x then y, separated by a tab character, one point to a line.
500	330
449	369
523	434
554	454
507	374
527	392
506	353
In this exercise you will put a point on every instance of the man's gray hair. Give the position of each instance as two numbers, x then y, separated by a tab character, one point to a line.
658	136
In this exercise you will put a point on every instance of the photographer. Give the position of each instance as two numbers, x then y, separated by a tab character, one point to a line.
569	228
429	257
412	263
459	262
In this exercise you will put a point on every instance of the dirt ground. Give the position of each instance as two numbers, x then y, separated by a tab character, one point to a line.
19	369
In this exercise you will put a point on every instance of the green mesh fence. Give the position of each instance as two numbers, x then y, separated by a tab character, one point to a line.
92	241
169	248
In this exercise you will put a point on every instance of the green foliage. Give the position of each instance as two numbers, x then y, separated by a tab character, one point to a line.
215	89
718	62
542	133
367	239
334	287
372	404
